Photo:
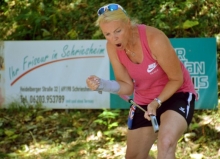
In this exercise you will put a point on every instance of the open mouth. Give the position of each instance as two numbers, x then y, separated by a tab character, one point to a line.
118	45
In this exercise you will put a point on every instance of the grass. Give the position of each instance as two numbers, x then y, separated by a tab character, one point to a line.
31	132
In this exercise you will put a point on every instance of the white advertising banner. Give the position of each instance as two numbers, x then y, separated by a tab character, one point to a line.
54	72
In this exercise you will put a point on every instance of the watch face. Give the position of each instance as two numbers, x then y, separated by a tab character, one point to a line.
158	101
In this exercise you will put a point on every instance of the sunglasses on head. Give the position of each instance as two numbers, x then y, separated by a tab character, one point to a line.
109	7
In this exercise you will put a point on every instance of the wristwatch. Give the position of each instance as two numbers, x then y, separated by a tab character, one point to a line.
158	101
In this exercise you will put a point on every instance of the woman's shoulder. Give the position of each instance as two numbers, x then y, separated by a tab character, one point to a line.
148	27
155	37
154	34
152	30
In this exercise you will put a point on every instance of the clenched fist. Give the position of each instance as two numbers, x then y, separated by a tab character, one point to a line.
93	82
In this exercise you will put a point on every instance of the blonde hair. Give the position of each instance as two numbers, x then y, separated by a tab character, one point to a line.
108	16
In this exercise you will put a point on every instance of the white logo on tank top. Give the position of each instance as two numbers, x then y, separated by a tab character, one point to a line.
151	67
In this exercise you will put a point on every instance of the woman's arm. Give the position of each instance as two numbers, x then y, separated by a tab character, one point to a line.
120	72
166	57
163	52
123	84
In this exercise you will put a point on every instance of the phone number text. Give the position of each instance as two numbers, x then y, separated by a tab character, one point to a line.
43	98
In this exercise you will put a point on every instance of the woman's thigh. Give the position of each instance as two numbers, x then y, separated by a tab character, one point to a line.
172	124
175	116
139	142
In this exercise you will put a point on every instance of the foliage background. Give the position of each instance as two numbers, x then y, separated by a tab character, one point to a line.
74	19
37	133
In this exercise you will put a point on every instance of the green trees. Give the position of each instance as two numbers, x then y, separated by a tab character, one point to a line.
74	19
58	20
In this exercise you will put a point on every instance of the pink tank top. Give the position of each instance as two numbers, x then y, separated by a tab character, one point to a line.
148	77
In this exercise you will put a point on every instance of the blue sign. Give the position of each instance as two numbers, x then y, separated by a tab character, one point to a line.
199	55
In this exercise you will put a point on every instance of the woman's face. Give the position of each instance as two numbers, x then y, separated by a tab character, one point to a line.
116	32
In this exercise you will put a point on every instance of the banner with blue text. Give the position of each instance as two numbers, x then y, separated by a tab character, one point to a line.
54	73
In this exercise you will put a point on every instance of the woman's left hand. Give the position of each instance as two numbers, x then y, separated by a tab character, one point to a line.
151	109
